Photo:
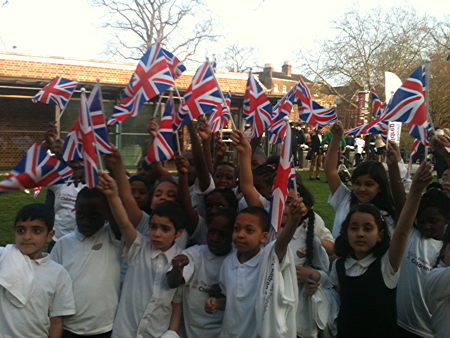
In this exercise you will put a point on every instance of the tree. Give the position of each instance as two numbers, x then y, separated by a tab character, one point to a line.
368	44
239	59
137	24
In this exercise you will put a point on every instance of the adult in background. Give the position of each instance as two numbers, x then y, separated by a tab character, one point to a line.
314	155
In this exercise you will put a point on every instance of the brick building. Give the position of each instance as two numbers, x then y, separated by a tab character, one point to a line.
23	123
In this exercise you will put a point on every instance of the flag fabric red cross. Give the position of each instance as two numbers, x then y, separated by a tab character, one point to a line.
303	97
277	128
220	115
58	91
377	105
257	108
120	114
98	120
422	132
72	144
162	147
36	169
407	105
320	116
280	185
202	96
175	65
376	126
89	153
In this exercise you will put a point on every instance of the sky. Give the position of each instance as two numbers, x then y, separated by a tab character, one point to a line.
276	29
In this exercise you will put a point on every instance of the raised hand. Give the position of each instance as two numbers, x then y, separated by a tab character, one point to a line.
203	129
107	185
337	129
179	262
393	153
240	142
182	164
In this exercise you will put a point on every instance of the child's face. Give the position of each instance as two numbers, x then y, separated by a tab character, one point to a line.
224	177
248	234
213	203
165	191
257	160
91	214
140	193
445	181
261	185
365	188
431	223
219	236
363	234
163	232
31	236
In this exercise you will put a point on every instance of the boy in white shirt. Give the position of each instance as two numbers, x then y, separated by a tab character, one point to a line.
35	292
147	307
198	269
243	276
91	255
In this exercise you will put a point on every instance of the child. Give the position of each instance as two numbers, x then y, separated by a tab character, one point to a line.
91	255
141	188
437	294
249	278
367	271
369	185
198	269
35	292
147	305
225	175
311	262
421	255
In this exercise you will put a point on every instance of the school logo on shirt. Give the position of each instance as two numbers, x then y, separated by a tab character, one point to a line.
97	246
301	252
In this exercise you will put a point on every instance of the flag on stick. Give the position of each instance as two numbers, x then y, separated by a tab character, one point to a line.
58	91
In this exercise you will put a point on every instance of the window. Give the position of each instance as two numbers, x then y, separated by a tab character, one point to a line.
284	89
275	88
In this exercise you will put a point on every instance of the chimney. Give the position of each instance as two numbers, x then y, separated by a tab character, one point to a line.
266	77
286	68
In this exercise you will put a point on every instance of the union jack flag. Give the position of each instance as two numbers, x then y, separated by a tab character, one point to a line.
175	65
58	91
277	128
407	105
320	116
376	126
89	154
162	147
414	149
280	185
257	107
72	144
98	120
36	169
422	132
202	96
120	113
221	115
377	106
303	97
151	77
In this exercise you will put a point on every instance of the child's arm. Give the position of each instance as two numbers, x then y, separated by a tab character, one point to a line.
115	165
175	276
204	131
175	318
109	188
183	193
199	161
400	236
249	191
397	187
331	160
439	143
220	149
56	327
296	211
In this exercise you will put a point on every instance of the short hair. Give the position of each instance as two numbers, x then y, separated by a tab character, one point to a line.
436	198
262	214
87	193
342	246
228	194
230	164
143	179
36	211
173	211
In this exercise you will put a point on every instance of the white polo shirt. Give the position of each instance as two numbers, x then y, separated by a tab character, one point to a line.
51	297
200	274
437	297
420	257
94	266
64	208
145	302
238	282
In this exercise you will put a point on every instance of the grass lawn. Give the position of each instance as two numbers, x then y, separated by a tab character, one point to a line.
10	203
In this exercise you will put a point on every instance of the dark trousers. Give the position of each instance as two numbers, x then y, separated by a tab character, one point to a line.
68	334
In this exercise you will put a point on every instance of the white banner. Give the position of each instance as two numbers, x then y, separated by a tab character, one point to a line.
394	131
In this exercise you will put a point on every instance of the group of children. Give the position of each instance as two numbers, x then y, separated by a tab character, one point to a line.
196	256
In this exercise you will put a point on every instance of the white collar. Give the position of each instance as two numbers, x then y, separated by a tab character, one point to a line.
253	262
350	262
169	253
